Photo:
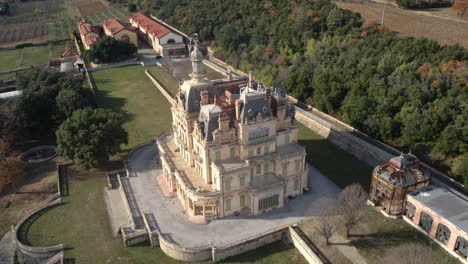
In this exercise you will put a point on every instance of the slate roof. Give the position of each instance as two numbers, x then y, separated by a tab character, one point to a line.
255	103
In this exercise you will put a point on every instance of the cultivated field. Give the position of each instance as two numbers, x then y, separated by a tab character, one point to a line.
410	23
39	21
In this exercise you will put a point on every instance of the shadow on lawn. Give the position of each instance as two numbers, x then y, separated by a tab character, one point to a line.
338	165
105	100
384	240
258	254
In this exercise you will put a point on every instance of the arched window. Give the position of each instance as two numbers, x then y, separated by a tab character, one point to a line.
409	210
443	233
425	222
461	247
171	41
126	38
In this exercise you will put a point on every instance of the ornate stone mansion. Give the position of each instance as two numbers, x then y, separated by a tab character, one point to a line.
233	147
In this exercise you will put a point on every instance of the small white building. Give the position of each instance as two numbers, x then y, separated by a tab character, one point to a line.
163	40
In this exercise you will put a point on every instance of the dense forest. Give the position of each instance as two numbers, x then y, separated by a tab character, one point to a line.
409	92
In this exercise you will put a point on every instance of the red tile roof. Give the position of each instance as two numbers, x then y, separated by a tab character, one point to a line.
113	26
86	27
151	26
90	40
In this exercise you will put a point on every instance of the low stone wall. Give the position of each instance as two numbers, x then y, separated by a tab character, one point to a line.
100	67
250	243
308	250
37	255
125	201
134	237
184	254
344	140
160	88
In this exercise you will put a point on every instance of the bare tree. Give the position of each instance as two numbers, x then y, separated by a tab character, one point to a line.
352	201
408	254
327	219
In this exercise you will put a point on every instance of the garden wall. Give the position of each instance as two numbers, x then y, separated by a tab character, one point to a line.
307	249
160	88
250	243
37	255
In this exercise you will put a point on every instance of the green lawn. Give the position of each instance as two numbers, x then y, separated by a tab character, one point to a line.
378	233
10	59
338	165
165	79
129	90
35	56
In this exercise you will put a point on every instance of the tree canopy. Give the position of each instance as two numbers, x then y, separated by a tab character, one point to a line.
109	49
89	136
38	110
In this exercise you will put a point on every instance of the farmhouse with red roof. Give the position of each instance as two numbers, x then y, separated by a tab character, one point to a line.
89	33
119	30
164	41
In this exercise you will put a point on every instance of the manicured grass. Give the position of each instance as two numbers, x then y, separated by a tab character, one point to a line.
10	59
128	90
32	56
212	74
378	233
338	165
165	79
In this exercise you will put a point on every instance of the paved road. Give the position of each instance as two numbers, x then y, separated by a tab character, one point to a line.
174	224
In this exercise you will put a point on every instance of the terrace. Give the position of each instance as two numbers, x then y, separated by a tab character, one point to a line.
189	174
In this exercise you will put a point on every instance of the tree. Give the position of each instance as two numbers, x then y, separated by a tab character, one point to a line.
460	6
327	218
10	169
68	101
408	254
460	168
90	136
132	7
352	201
109	49
146	6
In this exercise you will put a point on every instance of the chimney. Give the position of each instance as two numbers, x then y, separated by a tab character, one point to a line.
237	103
228	96
204	97
251	80
223	121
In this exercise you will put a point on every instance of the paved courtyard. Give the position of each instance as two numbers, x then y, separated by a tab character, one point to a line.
175	226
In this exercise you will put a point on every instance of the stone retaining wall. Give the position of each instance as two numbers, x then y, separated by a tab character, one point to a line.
250	243
308	250
36	255
135	237
160	88
358	148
